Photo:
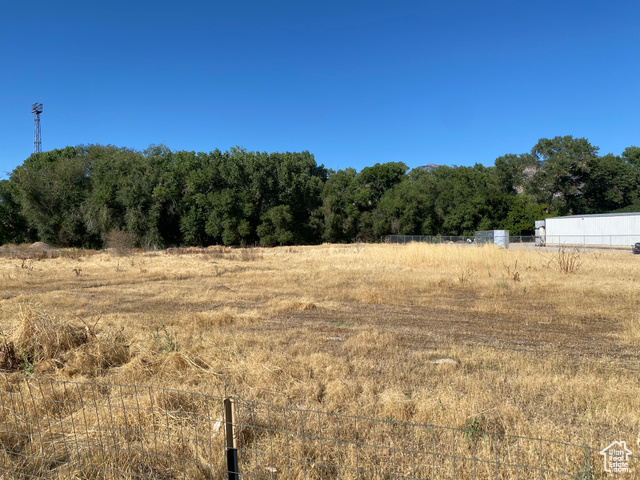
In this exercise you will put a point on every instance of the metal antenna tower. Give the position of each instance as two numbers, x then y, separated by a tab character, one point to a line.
36	109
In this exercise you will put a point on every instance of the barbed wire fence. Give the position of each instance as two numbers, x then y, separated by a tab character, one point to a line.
61	430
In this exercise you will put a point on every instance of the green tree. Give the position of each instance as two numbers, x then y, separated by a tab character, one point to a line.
611	184
299	183
51	188
564	164
513	172
340	208
631	155
13	225
135	192
350	199
522	215
408	207
198	176
375	181
467	199
277	227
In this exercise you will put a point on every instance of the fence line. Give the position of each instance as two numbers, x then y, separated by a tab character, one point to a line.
611	241
600	241
427	238
448	238
63	429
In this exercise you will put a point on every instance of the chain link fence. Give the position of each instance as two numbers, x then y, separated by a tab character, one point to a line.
470	239
582	241
610	241
63	430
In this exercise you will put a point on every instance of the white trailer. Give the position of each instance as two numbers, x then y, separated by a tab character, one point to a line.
608	229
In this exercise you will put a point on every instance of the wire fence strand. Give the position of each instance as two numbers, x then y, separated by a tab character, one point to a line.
61	430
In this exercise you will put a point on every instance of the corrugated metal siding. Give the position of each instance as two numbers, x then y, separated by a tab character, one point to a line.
594	230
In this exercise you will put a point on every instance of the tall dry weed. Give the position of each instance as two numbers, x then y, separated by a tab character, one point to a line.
42	335
567	260
119	241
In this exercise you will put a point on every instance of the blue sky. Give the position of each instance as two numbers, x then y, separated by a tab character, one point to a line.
353	82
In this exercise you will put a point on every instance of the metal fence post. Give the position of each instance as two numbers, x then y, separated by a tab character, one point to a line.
232	438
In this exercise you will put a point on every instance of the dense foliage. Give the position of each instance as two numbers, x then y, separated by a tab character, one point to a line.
77	196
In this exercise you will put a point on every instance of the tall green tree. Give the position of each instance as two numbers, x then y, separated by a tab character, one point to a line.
373	183
611	184
631	155
13	225
522	214
293	180
340	206
134	192
197	175
468	199
277	227
239	197
564	164
51	188
513	172
408	207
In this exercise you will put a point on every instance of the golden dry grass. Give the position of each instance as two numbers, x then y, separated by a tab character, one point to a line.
353	330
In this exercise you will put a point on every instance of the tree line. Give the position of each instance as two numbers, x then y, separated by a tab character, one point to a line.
76	196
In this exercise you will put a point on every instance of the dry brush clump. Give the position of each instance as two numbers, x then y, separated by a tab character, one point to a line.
567	260
119	241
80	430
44	344
42	336
66	429
38	337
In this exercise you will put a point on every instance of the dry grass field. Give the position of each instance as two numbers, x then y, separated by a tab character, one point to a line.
539	344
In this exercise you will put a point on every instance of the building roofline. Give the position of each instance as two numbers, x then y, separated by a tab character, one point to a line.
622	214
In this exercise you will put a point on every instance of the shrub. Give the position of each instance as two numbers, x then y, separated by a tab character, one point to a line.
119	241
567	260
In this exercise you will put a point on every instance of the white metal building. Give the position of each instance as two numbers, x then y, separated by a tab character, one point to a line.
608	229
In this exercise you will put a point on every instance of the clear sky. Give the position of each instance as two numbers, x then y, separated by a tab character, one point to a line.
353	82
